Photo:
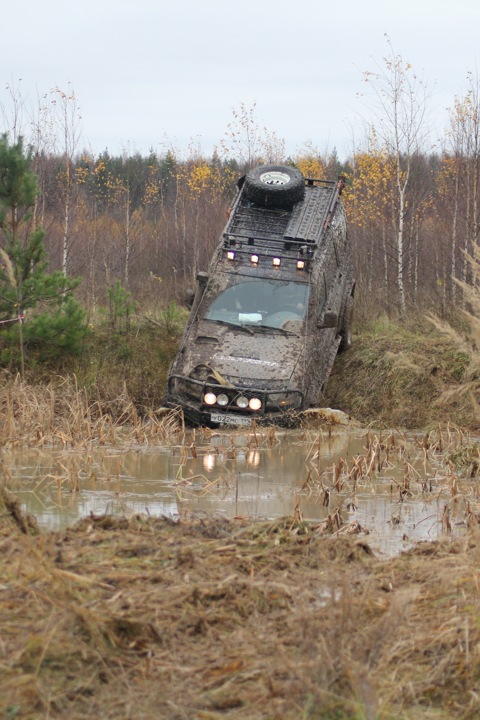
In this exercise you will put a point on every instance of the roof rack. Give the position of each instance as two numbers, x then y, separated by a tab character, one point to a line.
282	232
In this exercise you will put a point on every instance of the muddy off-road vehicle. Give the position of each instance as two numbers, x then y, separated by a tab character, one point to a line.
275	307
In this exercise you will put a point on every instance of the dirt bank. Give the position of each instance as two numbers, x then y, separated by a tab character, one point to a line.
146	618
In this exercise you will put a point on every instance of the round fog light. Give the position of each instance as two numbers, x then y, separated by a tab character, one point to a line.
255	404
242	402
222	399
210	398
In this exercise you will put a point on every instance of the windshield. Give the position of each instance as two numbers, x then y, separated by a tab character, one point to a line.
265	303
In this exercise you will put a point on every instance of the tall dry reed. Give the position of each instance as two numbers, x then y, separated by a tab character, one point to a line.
61	413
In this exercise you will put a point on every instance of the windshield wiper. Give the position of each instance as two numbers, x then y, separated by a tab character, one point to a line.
284	331
232	325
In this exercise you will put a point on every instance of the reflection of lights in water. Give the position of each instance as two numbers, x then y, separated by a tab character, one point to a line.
241	457
208	462
253	458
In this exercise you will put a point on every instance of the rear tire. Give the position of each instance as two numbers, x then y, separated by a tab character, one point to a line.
277	186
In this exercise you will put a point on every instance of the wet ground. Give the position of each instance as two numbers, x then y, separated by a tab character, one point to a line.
398	490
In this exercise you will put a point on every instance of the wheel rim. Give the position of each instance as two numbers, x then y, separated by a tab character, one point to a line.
274	177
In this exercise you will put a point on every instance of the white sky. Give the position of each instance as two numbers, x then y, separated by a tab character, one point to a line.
158	73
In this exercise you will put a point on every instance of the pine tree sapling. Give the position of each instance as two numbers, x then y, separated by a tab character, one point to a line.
53	317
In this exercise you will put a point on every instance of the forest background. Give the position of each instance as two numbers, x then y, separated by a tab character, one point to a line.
129	233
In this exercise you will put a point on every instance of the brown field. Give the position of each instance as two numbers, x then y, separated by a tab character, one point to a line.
143	618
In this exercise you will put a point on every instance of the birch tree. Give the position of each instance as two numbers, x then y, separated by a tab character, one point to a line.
247	141
13	113
68	118
464	136
399	101
367	198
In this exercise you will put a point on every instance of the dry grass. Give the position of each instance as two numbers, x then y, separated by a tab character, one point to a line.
61	413
409	376
467	342
147	618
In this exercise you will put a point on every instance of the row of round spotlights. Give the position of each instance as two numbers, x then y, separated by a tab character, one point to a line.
276	261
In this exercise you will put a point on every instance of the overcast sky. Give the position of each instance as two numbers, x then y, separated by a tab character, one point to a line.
148	74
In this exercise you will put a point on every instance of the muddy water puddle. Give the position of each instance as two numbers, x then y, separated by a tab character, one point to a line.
391	489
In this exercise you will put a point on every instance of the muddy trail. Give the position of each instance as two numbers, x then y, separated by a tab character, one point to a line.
208	619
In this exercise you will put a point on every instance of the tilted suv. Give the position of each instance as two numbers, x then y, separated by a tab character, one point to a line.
274	308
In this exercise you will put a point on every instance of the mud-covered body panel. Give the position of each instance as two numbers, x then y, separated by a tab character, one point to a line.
236	356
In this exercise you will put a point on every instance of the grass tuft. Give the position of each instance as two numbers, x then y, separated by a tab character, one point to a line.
404	375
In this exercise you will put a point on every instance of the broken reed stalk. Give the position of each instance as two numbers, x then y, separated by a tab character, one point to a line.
379	453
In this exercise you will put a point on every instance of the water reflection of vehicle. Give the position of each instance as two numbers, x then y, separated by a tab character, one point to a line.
275	307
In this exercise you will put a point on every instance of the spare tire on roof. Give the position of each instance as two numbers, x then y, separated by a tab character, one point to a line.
277	186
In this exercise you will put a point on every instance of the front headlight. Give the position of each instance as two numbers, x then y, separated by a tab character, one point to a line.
233	401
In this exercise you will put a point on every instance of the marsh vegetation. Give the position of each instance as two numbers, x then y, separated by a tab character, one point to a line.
199	615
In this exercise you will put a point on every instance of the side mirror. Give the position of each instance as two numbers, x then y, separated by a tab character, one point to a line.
189	298
202	279
329	319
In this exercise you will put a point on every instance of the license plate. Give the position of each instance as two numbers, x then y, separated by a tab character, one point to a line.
230	419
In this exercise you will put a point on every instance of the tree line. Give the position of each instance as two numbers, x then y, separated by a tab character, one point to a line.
152	223
142	226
